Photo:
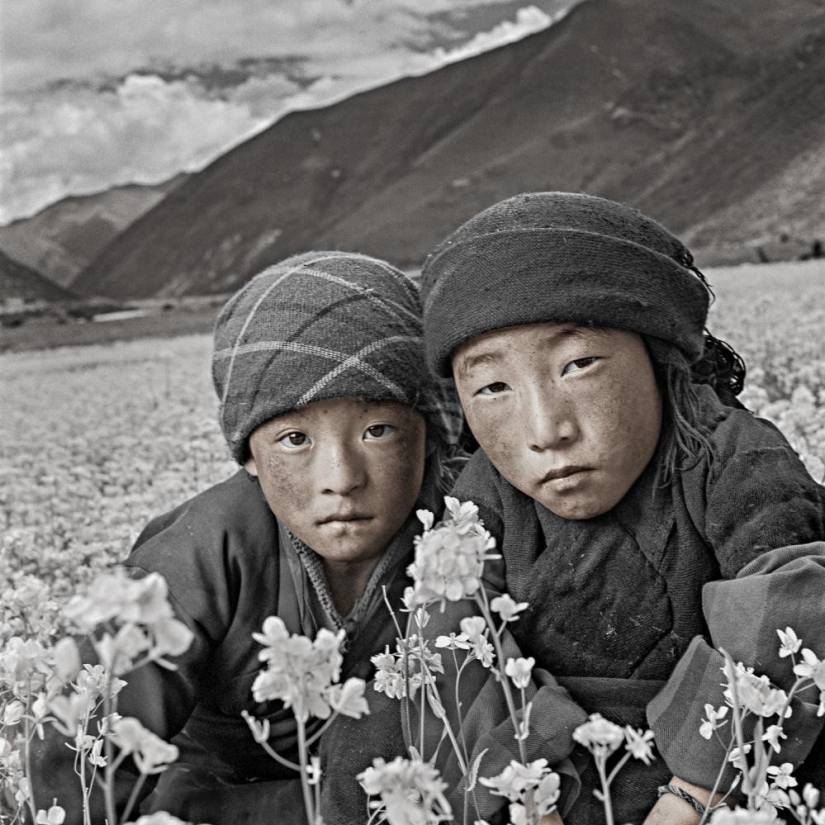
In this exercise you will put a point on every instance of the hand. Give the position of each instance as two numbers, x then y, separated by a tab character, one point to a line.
552	819
671	809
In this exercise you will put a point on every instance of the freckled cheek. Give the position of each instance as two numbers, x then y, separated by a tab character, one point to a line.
496	432
286	487
624	424
400	471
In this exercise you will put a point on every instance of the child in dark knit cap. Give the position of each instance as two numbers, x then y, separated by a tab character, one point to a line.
645	516
326	402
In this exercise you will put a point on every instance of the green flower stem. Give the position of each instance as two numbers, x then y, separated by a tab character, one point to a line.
458	672
133	797
376	812
316	788
27	734
405	701
715	789
109	784
87	817
302	756
619	765
481	601
280	759
605	780
430	685
311	740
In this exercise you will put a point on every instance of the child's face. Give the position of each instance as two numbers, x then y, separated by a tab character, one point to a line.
569	415
342	474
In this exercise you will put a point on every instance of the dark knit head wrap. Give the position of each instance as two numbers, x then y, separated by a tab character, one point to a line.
322	325
561	257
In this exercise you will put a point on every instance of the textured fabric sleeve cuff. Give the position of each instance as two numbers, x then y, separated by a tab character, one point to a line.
676	714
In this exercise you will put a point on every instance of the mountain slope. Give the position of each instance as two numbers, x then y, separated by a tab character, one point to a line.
21	283
64	238
702	114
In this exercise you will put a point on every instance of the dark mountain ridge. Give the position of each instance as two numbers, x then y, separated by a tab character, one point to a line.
21	284
707	115
66	236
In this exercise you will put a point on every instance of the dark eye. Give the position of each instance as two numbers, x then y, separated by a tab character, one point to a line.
494	389
376	431
294	439
578	364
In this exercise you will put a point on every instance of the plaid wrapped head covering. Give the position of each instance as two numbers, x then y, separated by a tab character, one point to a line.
323	325
562	257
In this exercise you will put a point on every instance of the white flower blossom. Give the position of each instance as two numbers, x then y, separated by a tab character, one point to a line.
300	672
782	775
411	792
159	818
516	778
772	736
742	816
756	694
151	753
811	667
395	672
810	795
449	558
599	736
789	642
639	744
475	631
54	816
507	607
713	720
348	699
520	671
453	642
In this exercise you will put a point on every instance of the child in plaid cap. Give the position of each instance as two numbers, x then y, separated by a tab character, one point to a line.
341	433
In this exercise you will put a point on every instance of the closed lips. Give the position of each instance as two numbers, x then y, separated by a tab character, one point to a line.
563	472
344	517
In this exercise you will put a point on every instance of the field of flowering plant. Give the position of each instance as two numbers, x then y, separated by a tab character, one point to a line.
94	441
774	316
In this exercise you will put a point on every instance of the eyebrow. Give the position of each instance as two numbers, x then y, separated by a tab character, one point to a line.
468	364
493	356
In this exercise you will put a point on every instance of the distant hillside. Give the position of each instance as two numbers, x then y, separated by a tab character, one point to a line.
63	238
708	115
21	283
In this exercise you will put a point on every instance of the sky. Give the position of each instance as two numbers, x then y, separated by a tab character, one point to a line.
98	93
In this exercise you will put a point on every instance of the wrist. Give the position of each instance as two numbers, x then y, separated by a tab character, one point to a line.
705	797
671	810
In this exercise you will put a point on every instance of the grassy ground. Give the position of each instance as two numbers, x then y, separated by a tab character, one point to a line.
162	320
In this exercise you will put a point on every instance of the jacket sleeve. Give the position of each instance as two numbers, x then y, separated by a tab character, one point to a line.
763	516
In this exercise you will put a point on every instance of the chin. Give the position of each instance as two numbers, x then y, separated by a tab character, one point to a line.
578	511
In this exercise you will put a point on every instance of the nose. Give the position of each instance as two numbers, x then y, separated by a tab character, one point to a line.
341	470
549	421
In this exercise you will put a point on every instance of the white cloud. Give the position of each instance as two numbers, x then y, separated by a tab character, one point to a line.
528	20
76	139
145	131
48	40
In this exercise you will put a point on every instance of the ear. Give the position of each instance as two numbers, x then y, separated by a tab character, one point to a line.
250	466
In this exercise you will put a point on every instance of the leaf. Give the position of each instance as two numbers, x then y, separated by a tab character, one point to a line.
524	724
473	777
435	704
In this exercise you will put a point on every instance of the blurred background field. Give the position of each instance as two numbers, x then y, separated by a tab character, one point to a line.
97	439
